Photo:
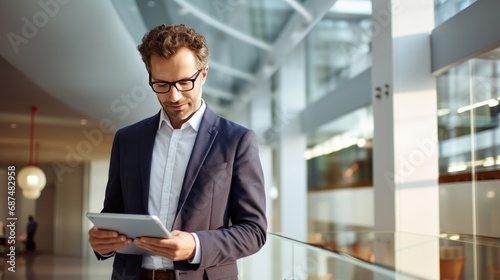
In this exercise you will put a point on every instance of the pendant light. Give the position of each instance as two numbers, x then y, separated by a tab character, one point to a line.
31	178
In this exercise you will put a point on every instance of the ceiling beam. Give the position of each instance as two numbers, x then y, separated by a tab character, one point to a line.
291	35
231	71
223	27
299	8
214	92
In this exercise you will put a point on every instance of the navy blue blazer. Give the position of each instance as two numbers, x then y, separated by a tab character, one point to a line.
222	197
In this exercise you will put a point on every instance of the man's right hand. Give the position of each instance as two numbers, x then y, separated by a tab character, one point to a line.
105	242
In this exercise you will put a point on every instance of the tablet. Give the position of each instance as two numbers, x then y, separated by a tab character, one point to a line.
132	226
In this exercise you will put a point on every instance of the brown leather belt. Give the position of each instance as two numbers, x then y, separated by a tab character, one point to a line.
147	274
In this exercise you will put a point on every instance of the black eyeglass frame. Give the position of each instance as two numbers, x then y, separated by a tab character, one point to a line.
170	84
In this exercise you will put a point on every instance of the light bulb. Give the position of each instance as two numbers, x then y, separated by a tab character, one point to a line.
32	180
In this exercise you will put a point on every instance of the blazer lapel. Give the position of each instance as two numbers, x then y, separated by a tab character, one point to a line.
204	140
147	141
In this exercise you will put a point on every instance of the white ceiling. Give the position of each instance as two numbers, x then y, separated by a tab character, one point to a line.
74	60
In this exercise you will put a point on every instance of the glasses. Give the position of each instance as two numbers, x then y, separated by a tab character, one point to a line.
180	85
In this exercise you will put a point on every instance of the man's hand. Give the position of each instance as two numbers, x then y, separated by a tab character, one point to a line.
180	247
107	241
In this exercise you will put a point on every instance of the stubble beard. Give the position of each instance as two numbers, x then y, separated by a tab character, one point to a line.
182	115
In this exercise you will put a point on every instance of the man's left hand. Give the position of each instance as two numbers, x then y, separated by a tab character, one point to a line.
180	247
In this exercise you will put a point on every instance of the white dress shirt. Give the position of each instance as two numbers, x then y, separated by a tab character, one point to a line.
171	153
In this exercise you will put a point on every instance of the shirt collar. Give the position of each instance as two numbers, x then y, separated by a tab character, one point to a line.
194	121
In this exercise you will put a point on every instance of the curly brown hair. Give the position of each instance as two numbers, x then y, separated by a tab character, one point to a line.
166	40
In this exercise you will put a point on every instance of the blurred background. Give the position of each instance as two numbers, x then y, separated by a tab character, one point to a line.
372	116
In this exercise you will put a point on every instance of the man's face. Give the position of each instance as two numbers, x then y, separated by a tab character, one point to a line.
179	106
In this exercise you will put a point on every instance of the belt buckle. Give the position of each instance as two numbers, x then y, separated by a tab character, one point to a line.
153	272
154	277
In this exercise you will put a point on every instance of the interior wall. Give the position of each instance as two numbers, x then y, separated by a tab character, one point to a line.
69	213
344	208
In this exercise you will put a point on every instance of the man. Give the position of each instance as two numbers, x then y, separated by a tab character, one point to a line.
198	172
30	234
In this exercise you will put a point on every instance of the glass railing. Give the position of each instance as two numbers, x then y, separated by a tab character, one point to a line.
374	255
287	259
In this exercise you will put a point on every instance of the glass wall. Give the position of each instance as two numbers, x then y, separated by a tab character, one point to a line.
339	153
469	140
338	47
468	100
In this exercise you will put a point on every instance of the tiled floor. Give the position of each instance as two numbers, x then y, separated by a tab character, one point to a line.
49	267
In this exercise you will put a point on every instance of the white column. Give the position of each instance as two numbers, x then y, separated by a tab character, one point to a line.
291	99
291	166
260	115
96	175
405	137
